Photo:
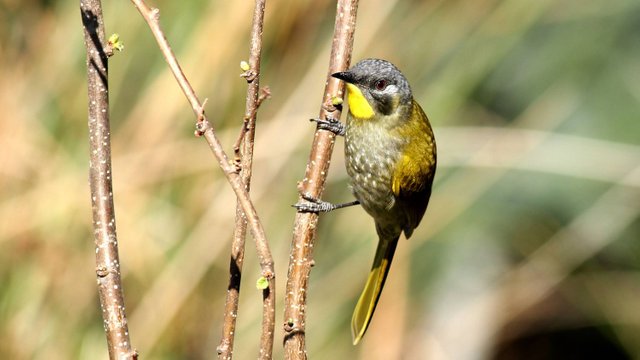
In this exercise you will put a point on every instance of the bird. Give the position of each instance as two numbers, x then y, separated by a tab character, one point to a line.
390	156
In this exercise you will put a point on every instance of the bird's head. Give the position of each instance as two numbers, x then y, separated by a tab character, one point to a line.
375	87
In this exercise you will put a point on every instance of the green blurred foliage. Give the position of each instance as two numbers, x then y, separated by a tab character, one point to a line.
529	248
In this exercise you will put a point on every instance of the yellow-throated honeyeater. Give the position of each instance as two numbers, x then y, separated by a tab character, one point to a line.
390	154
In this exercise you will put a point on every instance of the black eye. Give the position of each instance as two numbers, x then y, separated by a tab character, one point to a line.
380	85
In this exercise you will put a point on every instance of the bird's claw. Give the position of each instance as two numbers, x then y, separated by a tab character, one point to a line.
330	124
311	204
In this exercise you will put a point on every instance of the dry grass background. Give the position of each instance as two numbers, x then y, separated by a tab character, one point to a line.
530	247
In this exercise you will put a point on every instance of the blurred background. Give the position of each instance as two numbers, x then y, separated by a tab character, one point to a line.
530	248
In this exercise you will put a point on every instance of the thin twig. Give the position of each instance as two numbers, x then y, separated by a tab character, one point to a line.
100	181
244	153
265	93
204	128
304	232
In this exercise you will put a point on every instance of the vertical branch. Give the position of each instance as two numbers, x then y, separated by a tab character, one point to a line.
245	149
304	232
100	176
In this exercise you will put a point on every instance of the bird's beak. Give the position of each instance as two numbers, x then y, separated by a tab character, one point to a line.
345	76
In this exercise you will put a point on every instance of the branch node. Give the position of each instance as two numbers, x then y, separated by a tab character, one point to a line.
289	326
102	271
113	44
330	105
222	348
201	116
249	75
237	165
265	93
300	186
202	125
243	131
268	274
201	128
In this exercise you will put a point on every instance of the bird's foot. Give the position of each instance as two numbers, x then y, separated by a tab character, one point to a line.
315	205
331	124
312	205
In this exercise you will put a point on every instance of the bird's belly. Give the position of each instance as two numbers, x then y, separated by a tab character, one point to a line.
370	161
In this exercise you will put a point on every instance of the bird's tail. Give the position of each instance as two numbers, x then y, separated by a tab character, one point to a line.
369	298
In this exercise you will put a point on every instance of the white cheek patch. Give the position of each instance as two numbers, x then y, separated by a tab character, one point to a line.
390	89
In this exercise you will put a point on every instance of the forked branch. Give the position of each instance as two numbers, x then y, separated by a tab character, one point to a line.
244	156
204	128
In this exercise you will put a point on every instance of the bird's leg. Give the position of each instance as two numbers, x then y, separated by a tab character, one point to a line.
331	124
311	204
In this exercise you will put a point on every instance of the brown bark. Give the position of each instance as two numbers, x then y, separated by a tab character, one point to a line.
304	232
244	150
100	180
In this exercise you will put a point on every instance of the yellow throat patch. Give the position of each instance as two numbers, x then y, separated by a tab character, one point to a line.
358	105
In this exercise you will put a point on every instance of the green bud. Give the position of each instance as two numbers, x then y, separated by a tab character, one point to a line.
114	41
262	283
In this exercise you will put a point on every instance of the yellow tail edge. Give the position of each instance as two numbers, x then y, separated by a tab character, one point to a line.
363	312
